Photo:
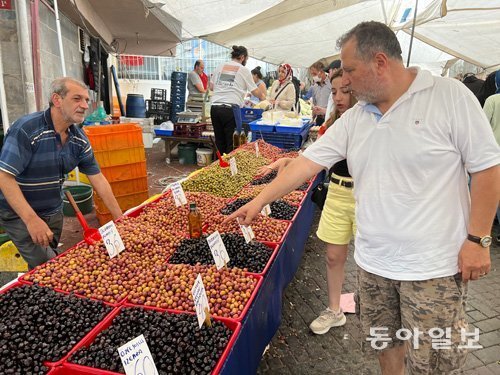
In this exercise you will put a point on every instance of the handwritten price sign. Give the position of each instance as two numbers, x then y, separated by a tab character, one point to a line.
111	238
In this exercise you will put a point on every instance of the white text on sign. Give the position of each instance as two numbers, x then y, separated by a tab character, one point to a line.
178	194
200	300
233	166
111	239
218	249
136	357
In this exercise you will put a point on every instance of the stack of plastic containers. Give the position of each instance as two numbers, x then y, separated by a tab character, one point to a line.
177	94
158	106
119	150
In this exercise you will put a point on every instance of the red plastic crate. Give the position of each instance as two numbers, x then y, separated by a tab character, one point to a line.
114	137
238	319
58	363
22	280
75	369
275	247
189	130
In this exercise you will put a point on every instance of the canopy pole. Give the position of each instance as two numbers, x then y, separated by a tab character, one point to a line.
59	38
3	99
384	12
412	32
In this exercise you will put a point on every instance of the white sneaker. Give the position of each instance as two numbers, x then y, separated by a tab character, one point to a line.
326	320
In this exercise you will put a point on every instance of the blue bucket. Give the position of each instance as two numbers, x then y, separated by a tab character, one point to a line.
136	107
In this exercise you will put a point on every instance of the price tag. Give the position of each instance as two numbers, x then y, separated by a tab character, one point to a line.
178	194
111	239
218	249
232	165
257	151
136	357
247	231
266	210
200	301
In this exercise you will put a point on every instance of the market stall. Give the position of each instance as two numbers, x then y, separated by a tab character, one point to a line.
145	289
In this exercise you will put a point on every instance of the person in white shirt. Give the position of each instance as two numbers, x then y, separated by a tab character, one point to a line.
231	82
409	141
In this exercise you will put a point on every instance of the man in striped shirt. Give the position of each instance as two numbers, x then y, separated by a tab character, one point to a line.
39	149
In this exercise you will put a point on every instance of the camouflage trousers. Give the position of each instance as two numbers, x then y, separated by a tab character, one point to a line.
427	316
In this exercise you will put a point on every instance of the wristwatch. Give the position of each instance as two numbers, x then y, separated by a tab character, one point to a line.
484	241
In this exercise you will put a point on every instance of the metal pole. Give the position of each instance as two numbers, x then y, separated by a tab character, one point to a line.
35	52
25	54
59	38
412	32
3	99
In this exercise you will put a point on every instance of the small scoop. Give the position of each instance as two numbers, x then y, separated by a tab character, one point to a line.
222	163
91	235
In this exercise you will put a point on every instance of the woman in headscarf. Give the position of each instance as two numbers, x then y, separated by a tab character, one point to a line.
282	93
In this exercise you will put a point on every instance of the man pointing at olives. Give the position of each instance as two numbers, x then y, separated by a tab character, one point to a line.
409	141
39	149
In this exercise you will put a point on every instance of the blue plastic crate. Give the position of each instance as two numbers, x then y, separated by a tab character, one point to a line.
290	129
178	76
163	132
283	140
251	114
254	127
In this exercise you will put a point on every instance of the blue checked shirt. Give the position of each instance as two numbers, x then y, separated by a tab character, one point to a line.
34	155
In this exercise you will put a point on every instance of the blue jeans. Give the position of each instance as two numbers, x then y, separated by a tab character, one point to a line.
32	253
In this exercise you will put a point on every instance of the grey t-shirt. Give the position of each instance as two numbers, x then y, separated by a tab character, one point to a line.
193	79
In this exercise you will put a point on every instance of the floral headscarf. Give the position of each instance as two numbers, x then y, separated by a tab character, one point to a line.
288	73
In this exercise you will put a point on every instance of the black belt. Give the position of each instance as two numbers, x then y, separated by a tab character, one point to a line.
223	105
347	184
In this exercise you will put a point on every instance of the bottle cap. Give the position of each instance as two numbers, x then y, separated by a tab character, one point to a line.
192	205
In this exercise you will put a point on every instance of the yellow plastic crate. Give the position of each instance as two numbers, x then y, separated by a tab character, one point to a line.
83	177
10	259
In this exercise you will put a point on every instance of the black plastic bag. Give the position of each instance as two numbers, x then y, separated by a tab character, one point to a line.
319	194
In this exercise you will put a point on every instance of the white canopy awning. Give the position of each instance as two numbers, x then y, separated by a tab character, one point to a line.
134	27
301	31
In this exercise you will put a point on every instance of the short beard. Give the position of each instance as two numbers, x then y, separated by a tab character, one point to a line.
371	95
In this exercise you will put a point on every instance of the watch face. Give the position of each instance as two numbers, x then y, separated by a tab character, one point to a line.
486	241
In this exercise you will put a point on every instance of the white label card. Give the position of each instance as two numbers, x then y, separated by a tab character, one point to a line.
257	151
178	194
266	210
136	357
218	249
247	232
232	165
111	239
200	300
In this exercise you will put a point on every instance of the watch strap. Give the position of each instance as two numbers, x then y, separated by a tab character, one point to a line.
474	239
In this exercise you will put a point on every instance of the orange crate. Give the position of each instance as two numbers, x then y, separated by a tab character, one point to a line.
114	137
103	218
129	186
120	157
125	171
125	201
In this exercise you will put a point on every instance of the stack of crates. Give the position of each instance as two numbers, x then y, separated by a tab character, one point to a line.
119	150
177	94
158	107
